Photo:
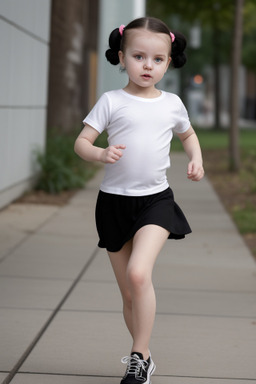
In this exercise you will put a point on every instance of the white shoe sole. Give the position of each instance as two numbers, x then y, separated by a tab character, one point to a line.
151	370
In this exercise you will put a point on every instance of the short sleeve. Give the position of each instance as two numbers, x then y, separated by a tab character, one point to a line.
183	122
99	116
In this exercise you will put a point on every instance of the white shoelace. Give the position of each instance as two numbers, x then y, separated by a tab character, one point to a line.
134	364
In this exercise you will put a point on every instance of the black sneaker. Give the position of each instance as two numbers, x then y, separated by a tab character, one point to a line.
138	370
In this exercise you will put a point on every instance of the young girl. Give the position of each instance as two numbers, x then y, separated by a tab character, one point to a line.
135	211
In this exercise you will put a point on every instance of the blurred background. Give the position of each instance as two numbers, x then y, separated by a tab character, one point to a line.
53	69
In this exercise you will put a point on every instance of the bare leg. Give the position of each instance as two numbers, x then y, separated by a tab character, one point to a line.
133	266
119	261
147	243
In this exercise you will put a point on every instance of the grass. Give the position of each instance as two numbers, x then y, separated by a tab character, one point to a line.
208	140
213	139
245	219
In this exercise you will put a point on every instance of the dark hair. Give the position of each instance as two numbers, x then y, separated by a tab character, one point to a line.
118	42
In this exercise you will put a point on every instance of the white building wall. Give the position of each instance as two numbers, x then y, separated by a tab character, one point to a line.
113	13
24	48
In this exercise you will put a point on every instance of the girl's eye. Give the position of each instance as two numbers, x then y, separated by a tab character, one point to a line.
138	57
158	60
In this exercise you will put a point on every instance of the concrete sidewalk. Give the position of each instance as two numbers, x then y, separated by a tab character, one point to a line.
60	308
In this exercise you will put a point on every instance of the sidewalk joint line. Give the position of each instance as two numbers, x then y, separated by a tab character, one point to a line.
102	311
164	314
208	377
34	342
202	290
40	278
112	376
64	374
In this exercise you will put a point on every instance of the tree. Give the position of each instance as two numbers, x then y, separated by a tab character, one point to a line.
249	46
234	155
221	15
212	14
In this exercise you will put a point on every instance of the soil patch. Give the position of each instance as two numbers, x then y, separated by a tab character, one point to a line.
41	197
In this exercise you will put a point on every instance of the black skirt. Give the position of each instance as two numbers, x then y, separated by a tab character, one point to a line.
119	217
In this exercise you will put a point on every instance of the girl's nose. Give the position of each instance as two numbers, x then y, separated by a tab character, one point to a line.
148	64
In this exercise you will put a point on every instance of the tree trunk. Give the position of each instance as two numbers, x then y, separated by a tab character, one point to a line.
216	67
217	123
234	152
73	47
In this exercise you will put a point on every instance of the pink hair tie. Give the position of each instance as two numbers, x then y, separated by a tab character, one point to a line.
121	29
172	36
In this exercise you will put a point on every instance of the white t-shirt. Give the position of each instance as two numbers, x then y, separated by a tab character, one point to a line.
146	127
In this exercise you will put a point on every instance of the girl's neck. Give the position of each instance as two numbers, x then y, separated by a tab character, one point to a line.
147	92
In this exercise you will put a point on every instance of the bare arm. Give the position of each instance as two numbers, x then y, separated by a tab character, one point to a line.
87	151
192	148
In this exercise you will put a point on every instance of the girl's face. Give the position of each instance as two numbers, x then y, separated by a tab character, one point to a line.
146	58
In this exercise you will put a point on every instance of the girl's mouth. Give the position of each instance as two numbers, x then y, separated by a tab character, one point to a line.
146	76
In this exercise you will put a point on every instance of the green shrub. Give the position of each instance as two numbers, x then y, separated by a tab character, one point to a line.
60	168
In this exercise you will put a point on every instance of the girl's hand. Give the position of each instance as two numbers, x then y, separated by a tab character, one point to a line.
112	154
195	170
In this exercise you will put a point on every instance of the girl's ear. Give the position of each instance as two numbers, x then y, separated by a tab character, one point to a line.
168	63
121	58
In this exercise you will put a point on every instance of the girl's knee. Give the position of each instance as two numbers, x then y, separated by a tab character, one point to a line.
137	279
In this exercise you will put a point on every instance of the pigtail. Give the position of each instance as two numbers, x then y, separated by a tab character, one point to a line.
114	47
178	46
